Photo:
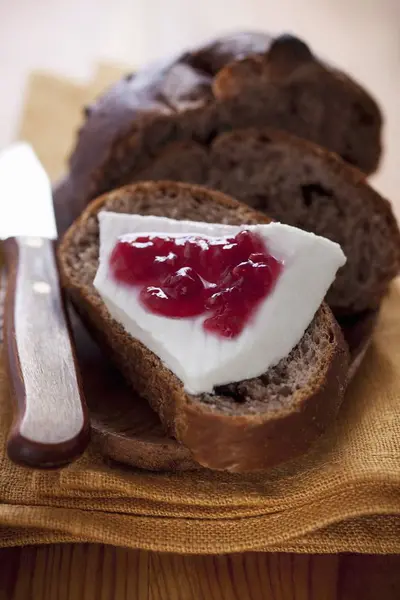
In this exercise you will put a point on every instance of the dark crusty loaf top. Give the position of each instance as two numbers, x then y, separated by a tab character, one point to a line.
241	427
242	80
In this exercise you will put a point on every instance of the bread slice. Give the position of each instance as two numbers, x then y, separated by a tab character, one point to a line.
242	427
241	80
124	427
299	183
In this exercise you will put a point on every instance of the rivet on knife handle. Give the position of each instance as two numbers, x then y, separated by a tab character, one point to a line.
51	424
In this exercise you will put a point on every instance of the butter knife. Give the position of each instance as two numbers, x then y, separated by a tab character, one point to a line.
50	426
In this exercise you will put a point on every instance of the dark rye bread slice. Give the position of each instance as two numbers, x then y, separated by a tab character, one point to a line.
124	427
304	185
243	427
126	430
242	80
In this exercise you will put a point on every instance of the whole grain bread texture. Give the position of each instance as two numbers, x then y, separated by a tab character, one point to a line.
248	79
296	182
124	428
241	427
299	183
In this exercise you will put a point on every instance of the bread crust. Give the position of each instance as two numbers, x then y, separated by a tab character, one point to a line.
200	93
236	443
123	426
261	442
378	209
237	163
126	430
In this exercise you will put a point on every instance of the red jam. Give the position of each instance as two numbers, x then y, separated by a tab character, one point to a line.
225	277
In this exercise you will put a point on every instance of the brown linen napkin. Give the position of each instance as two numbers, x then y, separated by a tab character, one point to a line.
52	113
343	496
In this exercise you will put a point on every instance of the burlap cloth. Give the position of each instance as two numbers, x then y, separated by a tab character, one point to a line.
343	496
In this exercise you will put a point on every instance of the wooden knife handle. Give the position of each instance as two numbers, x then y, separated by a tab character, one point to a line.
51	424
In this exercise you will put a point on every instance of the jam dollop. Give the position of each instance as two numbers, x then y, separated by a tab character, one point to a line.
225	278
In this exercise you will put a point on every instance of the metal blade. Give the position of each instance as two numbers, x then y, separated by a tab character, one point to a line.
26	203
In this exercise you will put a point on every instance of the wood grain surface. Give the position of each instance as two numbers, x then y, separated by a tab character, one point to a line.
94	572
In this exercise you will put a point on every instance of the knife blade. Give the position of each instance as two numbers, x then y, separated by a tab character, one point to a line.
50	426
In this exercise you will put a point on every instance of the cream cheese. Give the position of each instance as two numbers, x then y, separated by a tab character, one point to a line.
202	360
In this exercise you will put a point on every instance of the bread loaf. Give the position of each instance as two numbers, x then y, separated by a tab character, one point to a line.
241	427
242	80
299	183
188	119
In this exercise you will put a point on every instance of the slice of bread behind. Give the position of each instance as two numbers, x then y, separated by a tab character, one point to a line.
246	426
240	80
304	185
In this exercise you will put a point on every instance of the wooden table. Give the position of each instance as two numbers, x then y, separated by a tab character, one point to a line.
95	572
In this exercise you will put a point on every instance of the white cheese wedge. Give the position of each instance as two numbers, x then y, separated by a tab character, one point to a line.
203	360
